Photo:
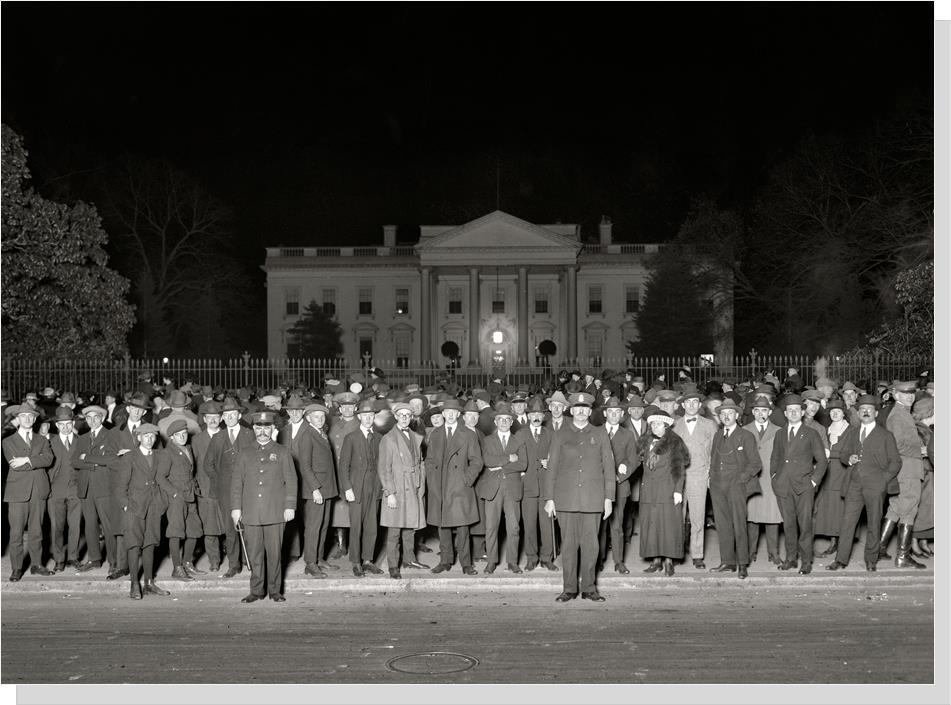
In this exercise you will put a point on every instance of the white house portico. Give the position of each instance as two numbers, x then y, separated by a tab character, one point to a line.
497	287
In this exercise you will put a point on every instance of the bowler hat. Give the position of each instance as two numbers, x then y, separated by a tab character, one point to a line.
63	413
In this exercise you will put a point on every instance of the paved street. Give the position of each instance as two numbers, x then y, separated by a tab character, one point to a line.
701	631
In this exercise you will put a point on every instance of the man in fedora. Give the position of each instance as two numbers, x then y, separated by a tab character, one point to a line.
290	436
698	433
341	425
538	442
27	488
318	484
361	489
734	466
219	465
797	466
557	405
179	402
623	446
263	497
182	512
873	462
93	490
209	509
64	506
500	485
453	463
579	490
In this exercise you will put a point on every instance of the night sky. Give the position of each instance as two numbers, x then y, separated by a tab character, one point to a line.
318	124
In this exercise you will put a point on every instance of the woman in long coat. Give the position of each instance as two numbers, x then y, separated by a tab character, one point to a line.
404	482
664	457
829	503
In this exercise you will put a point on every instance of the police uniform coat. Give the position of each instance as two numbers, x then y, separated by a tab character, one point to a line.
452	468
402	473
581	470
263	484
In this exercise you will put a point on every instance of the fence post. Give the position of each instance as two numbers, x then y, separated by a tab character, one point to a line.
876	354
246	369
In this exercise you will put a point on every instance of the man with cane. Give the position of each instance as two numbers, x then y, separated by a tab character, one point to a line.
263	498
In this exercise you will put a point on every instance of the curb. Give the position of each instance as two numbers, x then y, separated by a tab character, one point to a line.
496	583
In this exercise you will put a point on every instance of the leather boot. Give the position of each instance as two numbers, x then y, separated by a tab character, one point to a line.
887	528
179	573
152	588
832	549
904	559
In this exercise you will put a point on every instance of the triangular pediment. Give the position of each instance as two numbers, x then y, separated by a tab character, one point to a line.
498	233
498	229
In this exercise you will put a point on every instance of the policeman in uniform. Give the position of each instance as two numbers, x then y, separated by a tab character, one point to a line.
579	490
263	498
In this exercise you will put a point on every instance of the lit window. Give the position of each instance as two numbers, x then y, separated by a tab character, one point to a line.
402	302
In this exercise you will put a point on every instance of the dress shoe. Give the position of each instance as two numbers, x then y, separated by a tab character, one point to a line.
806	569
179	573
59	567
370	567
231	572
549	565
724	568
594	596
654	567
531	565
313	571
15	576
190	567
358	572
278	598
40	570
699	564
153	588
440	568
117	573
252	598
513	568
566	596
415	564
324	566
835	565
788	565
135	591
89	565
621	568
871	567
490	568
742	572
395	574
423	548
668	567
469	570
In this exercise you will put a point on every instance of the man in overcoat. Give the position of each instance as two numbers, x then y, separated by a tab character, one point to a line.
623	446
538	442
453	462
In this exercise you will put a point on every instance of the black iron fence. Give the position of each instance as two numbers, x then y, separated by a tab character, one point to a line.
22	375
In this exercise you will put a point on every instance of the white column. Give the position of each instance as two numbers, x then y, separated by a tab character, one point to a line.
425	317
474	315
522	316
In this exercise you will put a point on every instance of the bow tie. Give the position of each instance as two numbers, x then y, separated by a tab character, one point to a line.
690	420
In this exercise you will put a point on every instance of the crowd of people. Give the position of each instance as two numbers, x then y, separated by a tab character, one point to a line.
259	480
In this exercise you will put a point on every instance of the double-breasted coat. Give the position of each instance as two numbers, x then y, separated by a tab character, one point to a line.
142	492
581	470
509	478
318	470
795	467
357	466
402	473
452	468
219	465
263	484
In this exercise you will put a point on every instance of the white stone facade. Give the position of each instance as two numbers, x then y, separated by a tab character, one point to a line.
401	303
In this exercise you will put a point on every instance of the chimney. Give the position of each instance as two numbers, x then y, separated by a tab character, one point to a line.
604	230
389	236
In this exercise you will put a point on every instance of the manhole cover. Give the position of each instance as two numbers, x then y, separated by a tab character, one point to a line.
432	663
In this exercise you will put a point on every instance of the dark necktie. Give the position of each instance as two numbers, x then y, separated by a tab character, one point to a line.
863	435
449	433
726	433
613	431
762	430
535	433
67	444
791	435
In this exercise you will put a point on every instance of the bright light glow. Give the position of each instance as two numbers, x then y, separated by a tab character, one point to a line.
497	337
164	360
